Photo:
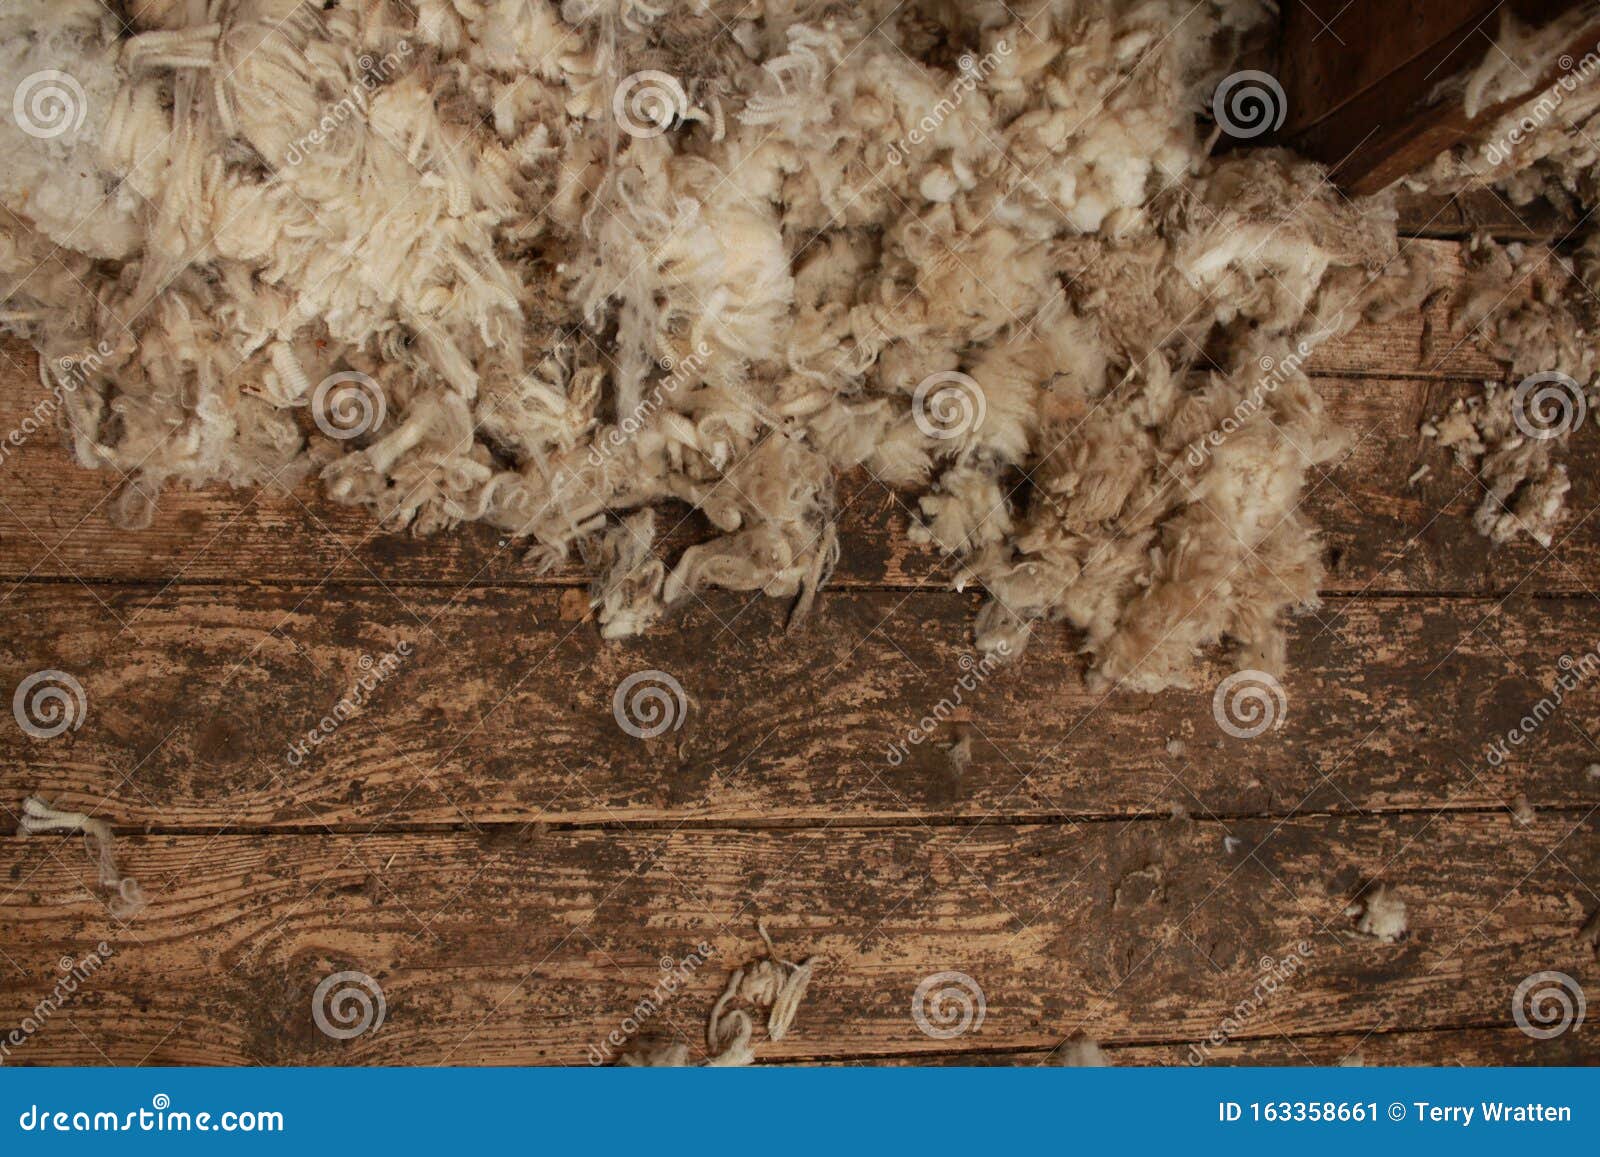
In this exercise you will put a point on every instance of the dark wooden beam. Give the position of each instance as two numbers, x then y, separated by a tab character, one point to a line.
1362	79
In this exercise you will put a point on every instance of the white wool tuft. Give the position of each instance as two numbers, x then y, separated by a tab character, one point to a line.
1079	1053
1379	913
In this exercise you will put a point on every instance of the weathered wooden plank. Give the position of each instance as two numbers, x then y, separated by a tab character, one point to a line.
1389	535
1414	344
1333	50
1377	114
1459	1046
503	710
1483	211
502	948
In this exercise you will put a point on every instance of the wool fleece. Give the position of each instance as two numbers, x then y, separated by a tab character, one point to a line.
547	266
1535	310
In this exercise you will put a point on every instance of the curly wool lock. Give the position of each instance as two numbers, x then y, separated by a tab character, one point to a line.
829	207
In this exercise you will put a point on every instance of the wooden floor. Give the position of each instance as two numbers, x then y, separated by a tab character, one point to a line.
510	867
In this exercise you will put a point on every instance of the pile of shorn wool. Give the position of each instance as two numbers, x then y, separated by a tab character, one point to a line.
545	265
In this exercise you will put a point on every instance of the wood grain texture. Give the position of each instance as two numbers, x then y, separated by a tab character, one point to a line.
503	712
526	948
1334	50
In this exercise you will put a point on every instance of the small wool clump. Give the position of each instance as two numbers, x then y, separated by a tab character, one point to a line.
959	753
39	817
1379	913
1524	487
1079	1053
771	983
1539	316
